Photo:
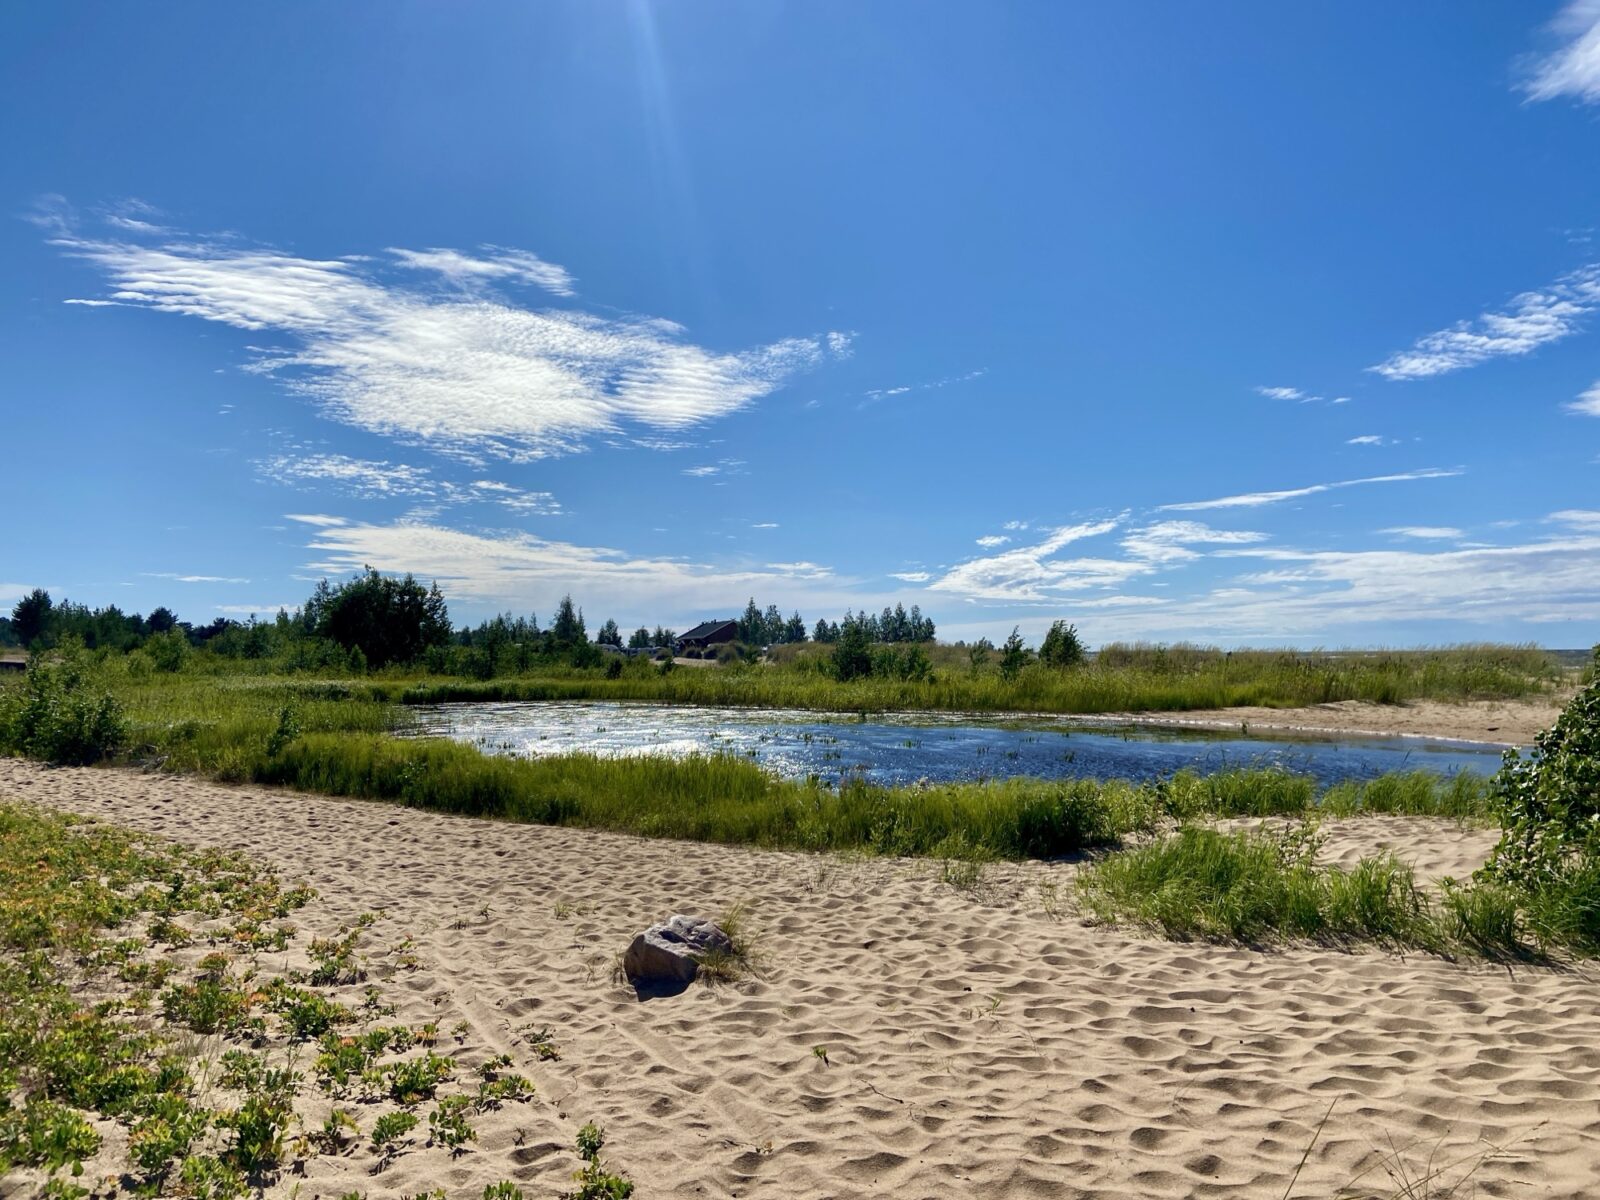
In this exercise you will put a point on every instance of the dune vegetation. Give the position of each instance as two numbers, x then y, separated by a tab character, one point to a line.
1540	890
338	738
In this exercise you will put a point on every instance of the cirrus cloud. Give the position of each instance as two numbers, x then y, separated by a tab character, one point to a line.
460	369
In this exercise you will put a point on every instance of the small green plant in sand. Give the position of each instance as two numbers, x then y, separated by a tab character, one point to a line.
414	1079
742	957
540	1041
596	1181
389	1131
448	1124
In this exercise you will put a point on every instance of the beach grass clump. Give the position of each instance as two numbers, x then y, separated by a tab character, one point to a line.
1462	796
1237	792
1255	886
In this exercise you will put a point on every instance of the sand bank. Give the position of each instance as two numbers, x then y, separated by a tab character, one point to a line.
1507	722
979	1043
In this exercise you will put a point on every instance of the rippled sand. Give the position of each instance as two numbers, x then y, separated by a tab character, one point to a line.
980	1042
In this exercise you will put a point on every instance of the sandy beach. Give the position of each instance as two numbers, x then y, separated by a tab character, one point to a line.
1507	722
981	1042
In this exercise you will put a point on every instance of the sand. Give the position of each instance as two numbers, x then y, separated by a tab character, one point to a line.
1505	722
981	1042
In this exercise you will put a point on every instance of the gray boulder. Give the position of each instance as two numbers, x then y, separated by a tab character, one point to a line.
669	953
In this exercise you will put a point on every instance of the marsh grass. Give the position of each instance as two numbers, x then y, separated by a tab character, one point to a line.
1263	885
1120	679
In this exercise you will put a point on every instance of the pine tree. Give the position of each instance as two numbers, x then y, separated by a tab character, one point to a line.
1062	647
566	627
1013	656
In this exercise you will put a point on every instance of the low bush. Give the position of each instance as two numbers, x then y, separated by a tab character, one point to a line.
1548	805
61	714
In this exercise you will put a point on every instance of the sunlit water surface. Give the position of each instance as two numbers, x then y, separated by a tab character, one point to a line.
904	748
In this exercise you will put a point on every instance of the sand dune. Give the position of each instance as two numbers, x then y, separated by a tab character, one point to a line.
1507	722
979	1042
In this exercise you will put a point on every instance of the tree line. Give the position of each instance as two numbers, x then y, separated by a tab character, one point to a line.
374	620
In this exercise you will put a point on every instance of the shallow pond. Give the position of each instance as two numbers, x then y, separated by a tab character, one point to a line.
905	747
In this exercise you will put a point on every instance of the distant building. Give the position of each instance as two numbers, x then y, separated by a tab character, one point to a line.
707	634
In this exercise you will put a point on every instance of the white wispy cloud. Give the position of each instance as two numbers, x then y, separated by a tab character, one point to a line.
911	576
992	540
1036	573
383	480
1015	525
1257	499
1427	532
886	393
764	525
1578	518
1588	403
501	263
519	569
801	570
1369	439
1299	396
1039	573
1532	319
1170	541
469	372
723	466
1304	594
1574	68
177	578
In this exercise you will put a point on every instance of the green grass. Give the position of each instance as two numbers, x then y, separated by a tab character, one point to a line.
1121	679
1263	885
1125	679
1255	886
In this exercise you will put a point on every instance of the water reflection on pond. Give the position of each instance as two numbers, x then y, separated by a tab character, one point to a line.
902	748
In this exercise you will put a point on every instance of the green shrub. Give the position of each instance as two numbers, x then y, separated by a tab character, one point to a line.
61	714
1548	804
1549	809
258	1126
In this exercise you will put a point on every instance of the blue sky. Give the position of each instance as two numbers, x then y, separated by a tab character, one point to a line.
1245	323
